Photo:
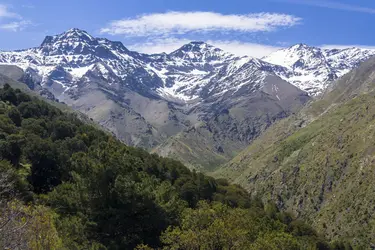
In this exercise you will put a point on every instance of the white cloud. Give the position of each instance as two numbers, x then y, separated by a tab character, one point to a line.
342	46
331	5
5	13
243	48
236	47
14	26
11	21
158	45
158	24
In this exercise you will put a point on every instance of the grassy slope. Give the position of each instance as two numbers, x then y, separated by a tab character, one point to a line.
323	171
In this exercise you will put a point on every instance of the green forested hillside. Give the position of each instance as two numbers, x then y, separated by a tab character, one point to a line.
319	164
68	185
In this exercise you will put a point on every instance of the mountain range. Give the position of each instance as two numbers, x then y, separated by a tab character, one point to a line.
198	104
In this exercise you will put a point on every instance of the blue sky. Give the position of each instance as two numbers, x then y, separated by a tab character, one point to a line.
249	27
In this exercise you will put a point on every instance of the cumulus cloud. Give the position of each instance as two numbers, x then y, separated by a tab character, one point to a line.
157	24
11	21
235	47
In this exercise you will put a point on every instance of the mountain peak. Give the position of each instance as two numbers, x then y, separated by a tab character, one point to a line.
198	51
197	43
196	46
78	42
303	45
73	34
75	30
300	46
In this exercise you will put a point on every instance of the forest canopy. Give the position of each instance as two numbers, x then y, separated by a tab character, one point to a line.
66	184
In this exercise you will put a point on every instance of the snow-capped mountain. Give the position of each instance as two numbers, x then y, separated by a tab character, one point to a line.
64	60
199	103
313	69
195	70
67	59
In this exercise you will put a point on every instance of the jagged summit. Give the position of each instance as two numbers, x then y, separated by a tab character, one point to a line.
79	42
74	34
199	51
76	30
300	46
195	46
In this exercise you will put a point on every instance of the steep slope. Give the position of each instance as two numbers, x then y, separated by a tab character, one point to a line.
319	162
145	100
313	69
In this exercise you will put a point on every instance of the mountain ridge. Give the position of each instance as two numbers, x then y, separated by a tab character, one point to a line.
154	100
297	64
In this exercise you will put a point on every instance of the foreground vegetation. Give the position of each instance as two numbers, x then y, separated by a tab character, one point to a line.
68	185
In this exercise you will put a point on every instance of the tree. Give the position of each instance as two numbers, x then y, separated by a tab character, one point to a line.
23	227
275	241
41	231
13	225
27	227
46	169
11	148
9	95
15	116
217	226
62	130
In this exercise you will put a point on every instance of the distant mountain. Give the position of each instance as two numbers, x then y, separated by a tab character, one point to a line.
312	69
209	102
65	61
